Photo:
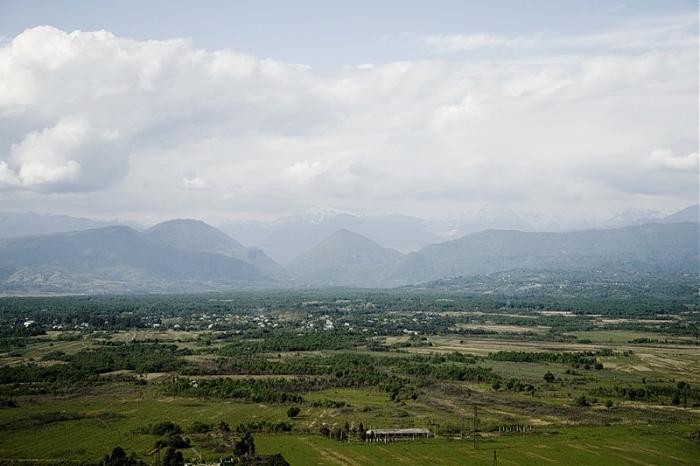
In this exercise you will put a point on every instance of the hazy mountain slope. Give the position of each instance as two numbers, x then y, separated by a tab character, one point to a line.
661	247
345	259
690	214
195	235
572	284
287	238
125	258
16	224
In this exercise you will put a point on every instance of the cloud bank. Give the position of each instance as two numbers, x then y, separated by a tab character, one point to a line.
88	118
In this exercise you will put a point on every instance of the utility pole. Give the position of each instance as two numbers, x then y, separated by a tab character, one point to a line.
476	429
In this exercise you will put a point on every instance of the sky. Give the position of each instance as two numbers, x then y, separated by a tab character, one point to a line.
231	110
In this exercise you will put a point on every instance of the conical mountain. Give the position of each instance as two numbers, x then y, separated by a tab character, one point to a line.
195	235
345	259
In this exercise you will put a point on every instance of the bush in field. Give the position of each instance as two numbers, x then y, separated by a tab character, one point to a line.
118	457
582	401
244	446
174	441
549	377
198	427
275	460
173	457
293	411
165	428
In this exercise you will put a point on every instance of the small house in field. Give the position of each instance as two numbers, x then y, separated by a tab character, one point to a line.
393	435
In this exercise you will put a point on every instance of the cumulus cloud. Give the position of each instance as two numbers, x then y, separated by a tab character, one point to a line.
8	178
71	155
120	119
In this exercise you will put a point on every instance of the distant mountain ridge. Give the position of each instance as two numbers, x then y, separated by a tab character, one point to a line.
288	238
190	255
671	247
345	259
18	224
690	214
195	235
115	259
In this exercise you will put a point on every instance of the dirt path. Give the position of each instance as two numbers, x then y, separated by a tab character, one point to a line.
331	455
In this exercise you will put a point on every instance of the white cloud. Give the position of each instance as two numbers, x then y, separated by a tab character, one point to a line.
89	118
665	159
70	155
302	172
8	178
194	182
665	32
447	115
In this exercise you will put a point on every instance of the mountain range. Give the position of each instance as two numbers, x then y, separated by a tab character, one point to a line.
116	259
190	255
16	224
668	248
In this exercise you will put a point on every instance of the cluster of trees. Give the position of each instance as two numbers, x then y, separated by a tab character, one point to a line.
344	432
514	385
84	367
336	370
138	356
342	364
263	426
585	359
450	372
282	342
276	390
680	393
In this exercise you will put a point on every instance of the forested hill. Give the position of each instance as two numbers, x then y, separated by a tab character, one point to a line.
664	248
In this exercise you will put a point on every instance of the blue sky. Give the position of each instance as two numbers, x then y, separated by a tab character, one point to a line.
223	110
330	33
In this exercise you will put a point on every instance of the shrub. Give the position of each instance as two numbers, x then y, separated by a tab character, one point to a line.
198	427
165	428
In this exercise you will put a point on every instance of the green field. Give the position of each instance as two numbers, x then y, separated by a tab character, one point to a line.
115	419
583	446
608	396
